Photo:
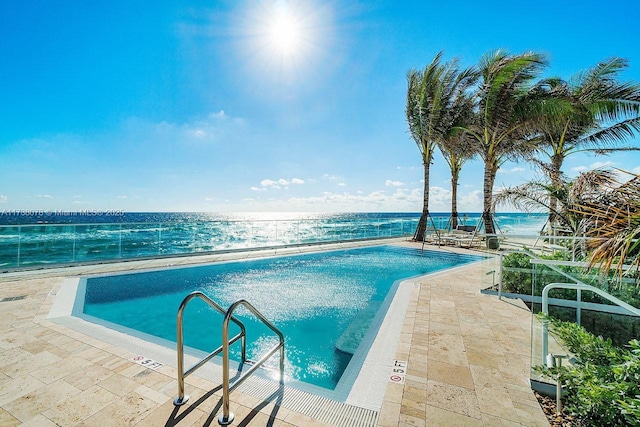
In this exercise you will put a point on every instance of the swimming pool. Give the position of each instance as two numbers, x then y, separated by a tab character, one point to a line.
327	304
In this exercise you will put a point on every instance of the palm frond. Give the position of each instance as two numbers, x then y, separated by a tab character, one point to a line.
614	218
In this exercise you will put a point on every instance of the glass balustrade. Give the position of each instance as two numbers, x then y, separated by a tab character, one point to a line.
48	244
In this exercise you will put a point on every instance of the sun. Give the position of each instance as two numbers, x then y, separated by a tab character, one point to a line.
283	41
284	30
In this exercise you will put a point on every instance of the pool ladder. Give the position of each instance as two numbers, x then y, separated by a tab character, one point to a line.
226	417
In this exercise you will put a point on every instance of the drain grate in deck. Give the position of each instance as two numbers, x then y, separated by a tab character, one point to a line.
13	298
320	408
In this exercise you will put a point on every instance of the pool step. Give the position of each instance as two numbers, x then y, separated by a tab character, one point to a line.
355	332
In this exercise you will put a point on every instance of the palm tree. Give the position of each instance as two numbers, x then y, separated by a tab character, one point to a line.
593	112
430	94
456	145
505	106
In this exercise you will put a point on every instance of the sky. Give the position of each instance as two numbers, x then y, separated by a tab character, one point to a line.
270	105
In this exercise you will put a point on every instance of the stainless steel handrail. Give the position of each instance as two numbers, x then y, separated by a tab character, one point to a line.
182	374
227	417
578	287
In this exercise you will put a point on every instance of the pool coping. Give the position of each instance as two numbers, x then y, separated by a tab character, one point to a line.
362	385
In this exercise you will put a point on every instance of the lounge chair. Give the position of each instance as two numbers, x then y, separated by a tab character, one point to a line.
462	238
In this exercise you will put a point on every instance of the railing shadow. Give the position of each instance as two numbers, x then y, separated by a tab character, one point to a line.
176	415
278	395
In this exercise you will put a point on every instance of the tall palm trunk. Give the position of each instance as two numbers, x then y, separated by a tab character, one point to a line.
455	173
422	224
489	178
555	173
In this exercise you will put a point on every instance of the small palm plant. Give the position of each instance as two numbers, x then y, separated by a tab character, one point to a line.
533	196
613	219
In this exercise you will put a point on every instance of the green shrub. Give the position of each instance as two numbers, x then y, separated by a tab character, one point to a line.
603	385
516	273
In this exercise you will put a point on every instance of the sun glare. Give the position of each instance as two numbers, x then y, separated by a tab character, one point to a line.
285	40
284	32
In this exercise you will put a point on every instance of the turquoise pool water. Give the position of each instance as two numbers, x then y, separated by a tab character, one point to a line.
324	303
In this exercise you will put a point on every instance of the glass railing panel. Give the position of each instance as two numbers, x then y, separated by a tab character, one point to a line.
46	244
263	233
287	233
307	231
10	247
97	242
140	240
178	238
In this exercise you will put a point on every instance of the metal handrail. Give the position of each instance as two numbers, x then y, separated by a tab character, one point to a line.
578	287
182	374
227	417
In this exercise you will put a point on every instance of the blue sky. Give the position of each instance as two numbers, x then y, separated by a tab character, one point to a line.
227	106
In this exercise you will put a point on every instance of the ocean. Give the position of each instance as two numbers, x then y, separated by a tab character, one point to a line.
41	238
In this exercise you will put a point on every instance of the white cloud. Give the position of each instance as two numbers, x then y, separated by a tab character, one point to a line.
269	183
400	200
331	177
258	189
636	170
219	115
390	183
579	169
212	128
43	196
470	202
592	166
598	165
515	169
3	198
342	184
122	197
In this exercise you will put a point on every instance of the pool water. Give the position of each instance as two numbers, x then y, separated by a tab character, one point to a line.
324	303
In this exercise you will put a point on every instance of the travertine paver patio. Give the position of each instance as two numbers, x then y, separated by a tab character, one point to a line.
468	357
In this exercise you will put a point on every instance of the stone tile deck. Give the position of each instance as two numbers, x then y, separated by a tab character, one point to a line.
467	353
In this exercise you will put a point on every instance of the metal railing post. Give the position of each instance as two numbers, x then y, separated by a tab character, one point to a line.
579	308
227	416
500	276
73	256
181	399
19	244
